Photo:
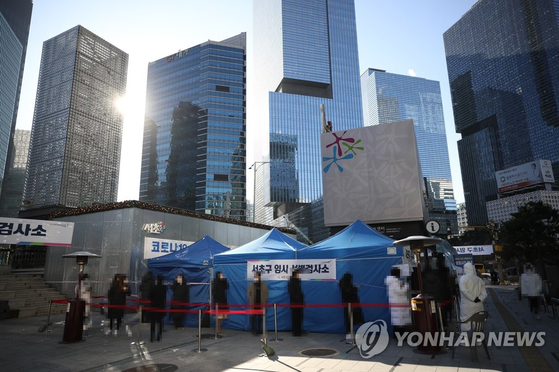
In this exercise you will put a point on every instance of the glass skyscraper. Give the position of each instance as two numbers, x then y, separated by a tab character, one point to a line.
194	154
15	18
14	182
74	155
391	97
305	56
503	67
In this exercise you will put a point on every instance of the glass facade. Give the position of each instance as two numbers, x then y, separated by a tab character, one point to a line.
391	97
74	155
194	154
305	56
14	182
503	67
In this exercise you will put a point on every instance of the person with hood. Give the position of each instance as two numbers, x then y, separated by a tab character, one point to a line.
117	300
531	287
181	296
158	297
398	297
472	294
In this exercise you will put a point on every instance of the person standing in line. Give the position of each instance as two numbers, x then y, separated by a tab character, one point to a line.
220	287
158	296
145	288
117	299
257	294
181	297
472	294
350	295
297	299
85	295
531	286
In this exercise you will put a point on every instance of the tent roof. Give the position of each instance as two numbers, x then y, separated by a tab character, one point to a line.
272	245
358	240
197	254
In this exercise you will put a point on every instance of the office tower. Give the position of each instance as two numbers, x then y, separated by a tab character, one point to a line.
14	183
503	67
194	154
74	155
391	97
305	54
15	18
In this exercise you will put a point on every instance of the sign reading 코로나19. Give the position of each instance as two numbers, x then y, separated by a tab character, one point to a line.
35	232
155	247
282	269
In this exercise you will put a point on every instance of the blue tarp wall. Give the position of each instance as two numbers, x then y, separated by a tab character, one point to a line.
358	249
233	264
195	263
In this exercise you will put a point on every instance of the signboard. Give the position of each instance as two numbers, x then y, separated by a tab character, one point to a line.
524	175
156	247
282	269
35	232
372	174
461	260
476	250
433	227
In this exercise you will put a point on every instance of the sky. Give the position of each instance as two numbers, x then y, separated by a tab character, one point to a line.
399	36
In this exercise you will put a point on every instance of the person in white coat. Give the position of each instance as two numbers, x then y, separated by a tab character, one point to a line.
399	299
472	294
531	287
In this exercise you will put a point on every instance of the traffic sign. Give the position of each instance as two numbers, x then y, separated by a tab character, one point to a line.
433	227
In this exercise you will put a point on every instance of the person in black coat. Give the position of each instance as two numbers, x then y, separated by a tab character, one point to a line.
349	295
117	300
220	287
158	296
297	299
180	298
145	288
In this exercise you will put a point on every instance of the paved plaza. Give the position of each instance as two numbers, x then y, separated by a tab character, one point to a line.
24	348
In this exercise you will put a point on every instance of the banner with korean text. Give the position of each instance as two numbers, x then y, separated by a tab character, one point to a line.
476	250
156	247
35	232
282	269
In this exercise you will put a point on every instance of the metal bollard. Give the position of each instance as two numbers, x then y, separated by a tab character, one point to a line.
199	350
441	323
216	320
276	324
350	314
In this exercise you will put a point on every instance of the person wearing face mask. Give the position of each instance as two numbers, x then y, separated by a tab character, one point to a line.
257	294
220	287
297	299
472	294
531	287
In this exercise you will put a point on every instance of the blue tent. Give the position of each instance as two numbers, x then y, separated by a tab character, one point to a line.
274	245
194	262
368	256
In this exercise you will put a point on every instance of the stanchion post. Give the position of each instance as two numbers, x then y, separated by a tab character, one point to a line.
439	312
350	314
276	323
199	350
264	338
216	320
140	311
48	316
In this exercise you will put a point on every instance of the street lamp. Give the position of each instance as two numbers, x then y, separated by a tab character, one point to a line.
255	165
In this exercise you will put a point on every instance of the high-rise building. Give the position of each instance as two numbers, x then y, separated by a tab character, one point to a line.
14	183
305	56
194	154
503	67
15	18
391	97
74	155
